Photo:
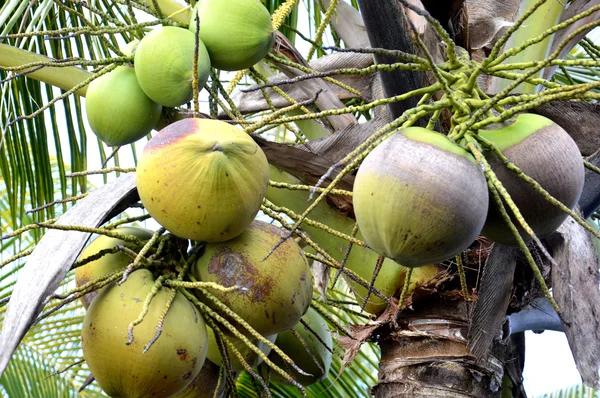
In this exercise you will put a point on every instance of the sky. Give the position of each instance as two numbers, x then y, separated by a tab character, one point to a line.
549	364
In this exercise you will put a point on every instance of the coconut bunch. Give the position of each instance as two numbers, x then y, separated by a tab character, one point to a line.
437	201
125	104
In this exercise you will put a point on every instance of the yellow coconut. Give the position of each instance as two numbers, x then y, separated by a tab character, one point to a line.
546	153
316	360
419	198
108	263
237	33
164	65
118	110
202	179
126	371
274	293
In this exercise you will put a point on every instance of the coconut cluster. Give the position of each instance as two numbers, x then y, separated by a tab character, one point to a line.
125	104
436	201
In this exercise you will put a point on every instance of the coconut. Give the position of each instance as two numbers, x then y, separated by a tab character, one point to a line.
122	370
251	358
419	198
108	263
202	179
273	294
237	33
546	153
118	110
164	61
316	361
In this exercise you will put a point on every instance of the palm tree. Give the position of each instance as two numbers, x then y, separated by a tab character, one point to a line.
437	326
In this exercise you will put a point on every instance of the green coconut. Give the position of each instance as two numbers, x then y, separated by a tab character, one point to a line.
108	263
546	153
251	358
202	179
118	110
125	371
274	293
316	361
237	33
164	61
419	198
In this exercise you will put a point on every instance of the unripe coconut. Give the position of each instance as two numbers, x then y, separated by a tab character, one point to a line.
419	198
274	293
294	348
237	33
546	153
125	371
108	263
164	61
202	179
118	110
251	358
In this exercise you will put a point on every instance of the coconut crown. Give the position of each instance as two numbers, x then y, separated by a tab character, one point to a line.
419	198
545	152
237	33
164	61
118	110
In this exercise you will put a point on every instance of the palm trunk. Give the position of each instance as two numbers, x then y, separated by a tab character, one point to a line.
426	355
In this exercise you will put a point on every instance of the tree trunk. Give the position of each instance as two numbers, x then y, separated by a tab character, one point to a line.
426	354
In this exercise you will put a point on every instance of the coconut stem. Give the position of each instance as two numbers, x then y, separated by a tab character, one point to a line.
307	349
161	320
227	311
462	277
321	28
326	313
56	202
273	116
145	308
17	256
286	61
26	228
195	88
378	265
405	286
299	187
300	137
313	223
101	171
141	255
346	256
220	339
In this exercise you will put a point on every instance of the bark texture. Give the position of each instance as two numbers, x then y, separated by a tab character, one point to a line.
426	355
